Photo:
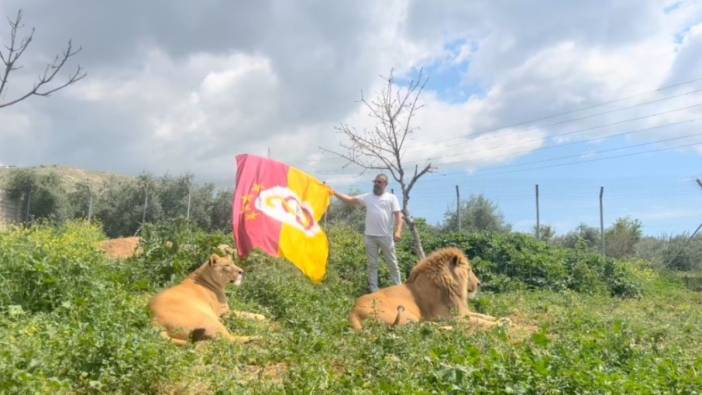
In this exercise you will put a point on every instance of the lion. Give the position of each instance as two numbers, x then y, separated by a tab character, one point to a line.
191	309
121	248
438	288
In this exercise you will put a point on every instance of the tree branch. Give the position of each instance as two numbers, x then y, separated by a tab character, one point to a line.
51	70
382	146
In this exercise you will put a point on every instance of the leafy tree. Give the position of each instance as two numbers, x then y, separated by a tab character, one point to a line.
342	213
122	207
43	196
80	200
621	237
477	214
172	193
221	212
680	252
546	233
683	253
651	249
202	207
583	235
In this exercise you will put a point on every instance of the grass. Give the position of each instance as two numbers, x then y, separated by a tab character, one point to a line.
91	333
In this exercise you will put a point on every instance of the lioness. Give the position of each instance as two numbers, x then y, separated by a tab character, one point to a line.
191	309
438	287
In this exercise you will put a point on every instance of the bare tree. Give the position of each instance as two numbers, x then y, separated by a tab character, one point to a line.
382	147
12	52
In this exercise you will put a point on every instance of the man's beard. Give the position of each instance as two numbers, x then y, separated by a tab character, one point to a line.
377	189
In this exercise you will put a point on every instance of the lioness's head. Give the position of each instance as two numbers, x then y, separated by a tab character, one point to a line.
223	270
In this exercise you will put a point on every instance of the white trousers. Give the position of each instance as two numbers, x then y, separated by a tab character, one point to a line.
387	245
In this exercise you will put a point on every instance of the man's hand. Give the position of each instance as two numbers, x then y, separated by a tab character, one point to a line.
347	199
398	225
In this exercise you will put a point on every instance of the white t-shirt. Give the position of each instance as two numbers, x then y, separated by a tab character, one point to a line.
379	209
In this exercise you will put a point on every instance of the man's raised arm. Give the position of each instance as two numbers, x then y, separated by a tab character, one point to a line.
347	199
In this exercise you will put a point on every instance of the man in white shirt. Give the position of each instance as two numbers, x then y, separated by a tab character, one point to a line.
382	211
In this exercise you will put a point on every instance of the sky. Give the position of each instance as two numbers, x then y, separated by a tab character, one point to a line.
572	96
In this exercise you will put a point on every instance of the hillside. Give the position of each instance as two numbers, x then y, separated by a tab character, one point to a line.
71	176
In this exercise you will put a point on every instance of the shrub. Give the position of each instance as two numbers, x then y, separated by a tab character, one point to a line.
40	266
512	261
174	248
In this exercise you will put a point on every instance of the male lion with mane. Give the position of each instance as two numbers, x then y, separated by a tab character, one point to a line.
191	309
438	288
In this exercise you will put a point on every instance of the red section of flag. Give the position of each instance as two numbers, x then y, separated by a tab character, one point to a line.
252	228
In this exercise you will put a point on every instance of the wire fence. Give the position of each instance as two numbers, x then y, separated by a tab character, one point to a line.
10	211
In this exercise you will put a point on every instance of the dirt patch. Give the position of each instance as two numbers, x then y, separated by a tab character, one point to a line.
121	248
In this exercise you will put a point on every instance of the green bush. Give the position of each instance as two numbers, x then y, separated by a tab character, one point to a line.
172	249
511	261
40	266
68	320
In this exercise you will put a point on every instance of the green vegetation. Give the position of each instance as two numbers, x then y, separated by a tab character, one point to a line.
510	261
120	204
477	214
71	321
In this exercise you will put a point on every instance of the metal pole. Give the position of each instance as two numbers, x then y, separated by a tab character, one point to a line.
326	214
29	202
602	235
90	204
538	225
692	236
187	214
458	209
683	244
146	203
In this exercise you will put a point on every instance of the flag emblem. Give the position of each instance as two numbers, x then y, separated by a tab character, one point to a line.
284	205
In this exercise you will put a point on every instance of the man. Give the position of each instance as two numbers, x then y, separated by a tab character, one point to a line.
382	210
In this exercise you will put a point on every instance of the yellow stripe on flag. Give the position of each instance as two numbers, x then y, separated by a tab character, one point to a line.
308	252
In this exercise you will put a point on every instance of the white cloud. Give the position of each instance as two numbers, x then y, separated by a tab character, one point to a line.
184	87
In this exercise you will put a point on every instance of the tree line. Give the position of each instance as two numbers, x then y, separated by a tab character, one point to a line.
121	205
623	239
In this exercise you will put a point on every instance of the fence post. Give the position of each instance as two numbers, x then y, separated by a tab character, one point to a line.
146	204
602	235
29	202
90	204
326	213
538	223
187	214
458	209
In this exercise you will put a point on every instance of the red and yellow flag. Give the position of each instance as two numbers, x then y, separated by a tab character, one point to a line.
277	209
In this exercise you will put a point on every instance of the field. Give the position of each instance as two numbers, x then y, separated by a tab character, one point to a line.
74	322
